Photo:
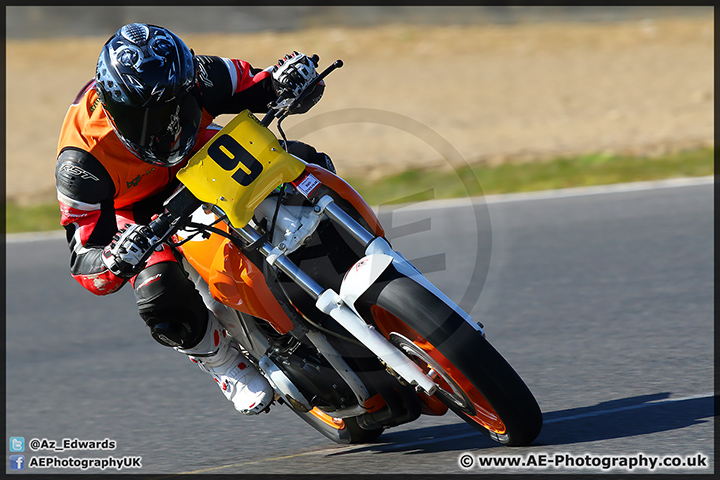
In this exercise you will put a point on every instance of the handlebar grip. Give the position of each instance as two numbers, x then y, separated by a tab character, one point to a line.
178	206
160	225
336	64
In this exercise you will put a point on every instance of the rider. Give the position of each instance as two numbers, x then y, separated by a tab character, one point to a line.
123	140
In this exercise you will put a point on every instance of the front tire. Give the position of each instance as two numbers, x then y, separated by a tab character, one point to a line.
473	379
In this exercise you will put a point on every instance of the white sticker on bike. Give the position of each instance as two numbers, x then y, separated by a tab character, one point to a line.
307	185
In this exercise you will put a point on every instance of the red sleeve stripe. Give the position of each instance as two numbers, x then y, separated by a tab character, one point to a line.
242	76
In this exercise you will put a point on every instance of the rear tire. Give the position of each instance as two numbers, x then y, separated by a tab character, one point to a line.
473	379
342	431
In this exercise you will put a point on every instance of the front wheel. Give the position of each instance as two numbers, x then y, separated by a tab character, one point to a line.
473	379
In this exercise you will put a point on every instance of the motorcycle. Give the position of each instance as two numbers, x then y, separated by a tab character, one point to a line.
351	336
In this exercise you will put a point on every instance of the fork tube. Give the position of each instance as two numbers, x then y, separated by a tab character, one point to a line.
298	276
339	216
284	264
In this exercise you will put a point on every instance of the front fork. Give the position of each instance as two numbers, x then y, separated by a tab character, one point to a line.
340	306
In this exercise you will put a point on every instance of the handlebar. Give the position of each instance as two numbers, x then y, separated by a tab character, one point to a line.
318	79
161	225
180	205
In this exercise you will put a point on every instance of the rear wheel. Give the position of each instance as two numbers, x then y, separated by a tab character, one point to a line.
339	430
473	379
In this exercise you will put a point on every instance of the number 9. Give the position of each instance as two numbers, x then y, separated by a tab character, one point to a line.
239	155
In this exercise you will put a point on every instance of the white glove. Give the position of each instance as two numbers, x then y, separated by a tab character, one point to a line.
129	249
293	73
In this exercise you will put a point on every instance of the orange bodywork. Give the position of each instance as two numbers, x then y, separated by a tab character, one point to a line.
201	254
238	283
234	280
336	423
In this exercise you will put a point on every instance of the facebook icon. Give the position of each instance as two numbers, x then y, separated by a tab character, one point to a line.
17	462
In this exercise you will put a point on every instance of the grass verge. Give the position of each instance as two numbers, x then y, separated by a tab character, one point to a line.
33	218
472	180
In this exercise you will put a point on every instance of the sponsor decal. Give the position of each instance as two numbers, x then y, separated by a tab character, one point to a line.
78	172
203	75
149	281
134	182
308	185
66	212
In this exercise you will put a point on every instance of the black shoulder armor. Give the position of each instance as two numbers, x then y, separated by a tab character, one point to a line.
81	177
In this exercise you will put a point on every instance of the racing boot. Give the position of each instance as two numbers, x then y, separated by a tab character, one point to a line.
240	381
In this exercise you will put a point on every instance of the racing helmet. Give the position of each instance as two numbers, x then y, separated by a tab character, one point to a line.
146	82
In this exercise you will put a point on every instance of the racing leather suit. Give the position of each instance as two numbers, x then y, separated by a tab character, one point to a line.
102	186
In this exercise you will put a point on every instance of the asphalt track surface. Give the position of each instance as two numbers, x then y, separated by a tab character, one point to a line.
602	302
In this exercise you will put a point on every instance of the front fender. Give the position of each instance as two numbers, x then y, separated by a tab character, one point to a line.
369	268
361	275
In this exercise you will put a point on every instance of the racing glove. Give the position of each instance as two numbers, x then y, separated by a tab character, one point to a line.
129	249
292	75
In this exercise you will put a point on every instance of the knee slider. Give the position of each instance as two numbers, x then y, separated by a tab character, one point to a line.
169	334
170	305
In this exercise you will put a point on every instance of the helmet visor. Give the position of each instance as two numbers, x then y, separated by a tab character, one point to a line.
162	134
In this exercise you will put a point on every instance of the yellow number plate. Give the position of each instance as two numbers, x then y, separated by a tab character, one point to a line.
239	167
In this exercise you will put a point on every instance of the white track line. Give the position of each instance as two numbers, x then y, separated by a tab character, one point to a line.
601	189
564	193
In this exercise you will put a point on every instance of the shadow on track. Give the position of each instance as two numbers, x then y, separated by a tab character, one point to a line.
625	417
607	420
